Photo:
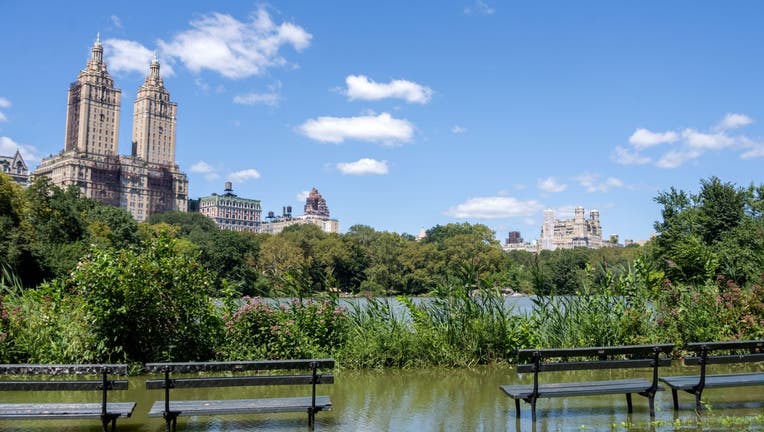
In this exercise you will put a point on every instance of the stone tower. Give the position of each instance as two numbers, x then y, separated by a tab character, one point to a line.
92	115
154	120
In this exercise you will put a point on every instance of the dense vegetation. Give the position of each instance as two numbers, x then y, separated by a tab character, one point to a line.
85	282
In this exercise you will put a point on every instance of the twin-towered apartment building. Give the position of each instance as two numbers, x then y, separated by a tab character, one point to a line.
147	181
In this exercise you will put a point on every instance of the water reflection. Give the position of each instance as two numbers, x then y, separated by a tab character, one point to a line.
421	400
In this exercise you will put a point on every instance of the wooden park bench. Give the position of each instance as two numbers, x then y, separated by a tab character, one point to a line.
107	412
171	409
710	353
593	358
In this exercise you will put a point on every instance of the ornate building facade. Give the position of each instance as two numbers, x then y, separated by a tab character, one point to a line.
231	212
316	213
15	167
146	182
568	234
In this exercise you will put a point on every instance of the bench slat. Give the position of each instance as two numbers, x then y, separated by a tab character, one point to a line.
63	410
579	388
726	359
241	381
687	382
640	350
593	364
60	385
238	366
241	406
62	369
725	345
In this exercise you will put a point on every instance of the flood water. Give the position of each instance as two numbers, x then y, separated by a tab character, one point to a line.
422	400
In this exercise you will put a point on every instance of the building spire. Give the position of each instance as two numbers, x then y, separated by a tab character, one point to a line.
154	71
97	52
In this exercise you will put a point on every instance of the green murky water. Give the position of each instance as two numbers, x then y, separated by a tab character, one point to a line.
425	400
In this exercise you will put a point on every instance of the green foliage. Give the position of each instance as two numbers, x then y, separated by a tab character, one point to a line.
261	329
147	305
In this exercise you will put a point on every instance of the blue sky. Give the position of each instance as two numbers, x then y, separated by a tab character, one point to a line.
410	114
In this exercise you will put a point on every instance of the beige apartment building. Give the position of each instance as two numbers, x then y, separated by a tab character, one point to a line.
146	182
570	233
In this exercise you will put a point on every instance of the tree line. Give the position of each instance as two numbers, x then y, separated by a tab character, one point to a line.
46	230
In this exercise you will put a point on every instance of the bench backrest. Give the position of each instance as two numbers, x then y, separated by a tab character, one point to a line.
312	376
104	370
618	357
729	352
103	384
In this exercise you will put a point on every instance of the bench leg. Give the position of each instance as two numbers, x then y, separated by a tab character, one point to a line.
629	406
697	400
517	408
675	396
311	419
533	409
651	402
171	422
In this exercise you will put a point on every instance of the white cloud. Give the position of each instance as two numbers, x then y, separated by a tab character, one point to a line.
130	56
4	103
363	166
494	208
643	138
243	175
676	158
701	140
479	7
458	130
8	147
382	128
550	184
116	21
624	156
361	87
232	48
302	196
734	121
202	167
270	99
755	151
593	183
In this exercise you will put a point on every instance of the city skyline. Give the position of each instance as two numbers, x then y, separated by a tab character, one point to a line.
407	116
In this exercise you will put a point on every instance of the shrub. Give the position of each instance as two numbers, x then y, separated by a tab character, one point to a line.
149	304
261	329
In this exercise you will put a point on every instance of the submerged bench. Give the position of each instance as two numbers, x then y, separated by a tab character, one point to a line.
593	358
171	409
107	412
710	353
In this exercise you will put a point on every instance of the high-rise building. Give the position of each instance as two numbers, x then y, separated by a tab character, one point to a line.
514	237
567	234
15	167
146	182
231	212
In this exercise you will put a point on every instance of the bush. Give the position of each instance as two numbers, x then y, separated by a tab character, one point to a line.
261	329
149	304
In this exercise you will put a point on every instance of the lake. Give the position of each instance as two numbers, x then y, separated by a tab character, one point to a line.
421	400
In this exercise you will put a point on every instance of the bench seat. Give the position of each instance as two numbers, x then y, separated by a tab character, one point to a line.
687	382
20	411
636	385
241	406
